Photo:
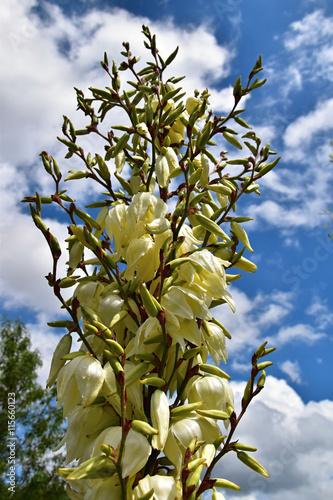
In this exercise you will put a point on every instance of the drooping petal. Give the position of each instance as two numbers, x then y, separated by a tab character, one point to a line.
160	415
89	377
137	452
165	488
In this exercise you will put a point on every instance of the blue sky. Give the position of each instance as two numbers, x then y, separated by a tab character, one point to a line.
49	47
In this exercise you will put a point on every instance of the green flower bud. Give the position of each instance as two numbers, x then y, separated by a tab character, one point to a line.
214	370
244	447
95	468
144	428
215	414
184	410
77	174
153	381
252	463
232	139
115	347
264	364
224	483
211	226
241	235
152	306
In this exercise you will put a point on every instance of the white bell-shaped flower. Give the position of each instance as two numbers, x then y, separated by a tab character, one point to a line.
137	448
165	488
79	382
215	392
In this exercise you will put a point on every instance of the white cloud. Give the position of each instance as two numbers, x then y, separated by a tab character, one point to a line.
309	41
38	76
292	369
299	333
321	312
294	442
294	197
304	128
254	315
44	339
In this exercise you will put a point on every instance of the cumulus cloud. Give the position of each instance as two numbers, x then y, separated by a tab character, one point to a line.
292	370
320	311
305	127
45	53
294	197
297	333
44	59
294	442
44	339
310	41
254	315
297	191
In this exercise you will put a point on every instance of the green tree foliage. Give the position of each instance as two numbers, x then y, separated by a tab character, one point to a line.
38	425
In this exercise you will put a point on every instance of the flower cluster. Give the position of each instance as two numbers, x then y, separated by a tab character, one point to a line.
144	403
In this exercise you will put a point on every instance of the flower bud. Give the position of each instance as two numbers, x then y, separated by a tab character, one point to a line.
241	234
217	496
211	226
214	370
153	381
261	379
184	410
224	483
162	171
215	414
204	179
244	447
94	468
263	365
252	463
120	161
152	306
208	453
144	428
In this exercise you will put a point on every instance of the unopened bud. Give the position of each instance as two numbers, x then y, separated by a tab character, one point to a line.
214	370
244	447
241	234
215	414
143	428
153	381
252	463
264	364
224	483
183	410
261	379
149	302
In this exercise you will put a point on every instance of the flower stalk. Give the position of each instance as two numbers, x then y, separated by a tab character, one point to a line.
144	395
